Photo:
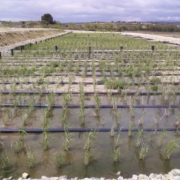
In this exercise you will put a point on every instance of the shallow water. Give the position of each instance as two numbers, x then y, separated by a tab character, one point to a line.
101	162
102	148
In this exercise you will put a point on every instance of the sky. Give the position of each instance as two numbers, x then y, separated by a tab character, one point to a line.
91	10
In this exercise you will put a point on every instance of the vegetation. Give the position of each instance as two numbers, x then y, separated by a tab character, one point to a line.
52	89
115	84
47	19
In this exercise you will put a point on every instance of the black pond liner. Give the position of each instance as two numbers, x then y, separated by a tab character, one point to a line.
79	130
88	93
73	106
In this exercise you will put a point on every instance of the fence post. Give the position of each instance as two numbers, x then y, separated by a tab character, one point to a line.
12	52
56	48
89	53
22	47
152	47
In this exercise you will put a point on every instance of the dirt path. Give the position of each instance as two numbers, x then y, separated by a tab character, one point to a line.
157	38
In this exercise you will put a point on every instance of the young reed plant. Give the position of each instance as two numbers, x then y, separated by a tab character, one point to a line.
46	141
58	160
140	134
31	159
97	101
87	157
143	150
18	146
67	142
170	147
89	139
5	163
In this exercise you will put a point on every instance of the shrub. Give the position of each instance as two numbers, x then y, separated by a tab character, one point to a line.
154	88
155	80
115	84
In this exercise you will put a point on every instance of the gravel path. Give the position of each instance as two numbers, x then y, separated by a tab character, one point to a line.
172	175
23	29
157	38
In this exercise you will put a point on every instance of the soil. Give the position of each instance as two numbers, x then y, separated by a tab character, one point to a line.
12	36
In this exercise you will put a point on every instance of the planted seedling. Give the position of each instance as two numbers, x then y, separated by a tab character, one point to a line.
18	145
97	101
45	142
143	151
68	139
91	136
139	137
87	157
163	135
171	146
58	160
116	155
5	164
31	159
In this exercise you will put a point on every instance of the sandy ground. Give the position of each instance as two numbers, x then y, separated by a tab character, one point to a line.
157	38
166	34
2	29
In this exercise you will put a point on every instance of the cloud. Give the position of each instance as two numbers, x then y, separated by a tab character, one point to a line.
91	10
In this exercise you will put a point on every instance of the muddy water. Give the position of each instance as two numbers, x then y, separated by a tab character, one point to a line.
101	161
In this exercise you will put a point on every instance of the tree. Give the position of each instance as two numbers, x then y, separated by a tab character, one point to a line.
23	24
47	19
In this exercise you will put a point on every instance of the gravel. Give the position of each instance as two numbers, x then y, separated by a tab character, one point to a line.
172	175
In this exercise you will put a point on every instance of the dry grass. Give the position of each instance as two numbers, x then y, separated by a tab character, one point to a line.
10	36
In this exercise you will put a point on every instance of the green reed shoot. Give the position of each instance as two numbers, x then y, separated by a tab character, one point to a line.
87	157
143	151
67	142
58	160
139	138
31	159
163	135
97	101
116	155
170	147
5	161
45	142
91	136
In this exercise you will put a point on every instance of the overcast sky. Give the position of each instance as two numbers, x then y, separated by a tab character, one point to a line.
91	10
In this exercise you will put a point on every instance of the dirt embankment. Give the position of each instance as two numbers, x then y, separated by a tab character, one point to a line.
12	37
